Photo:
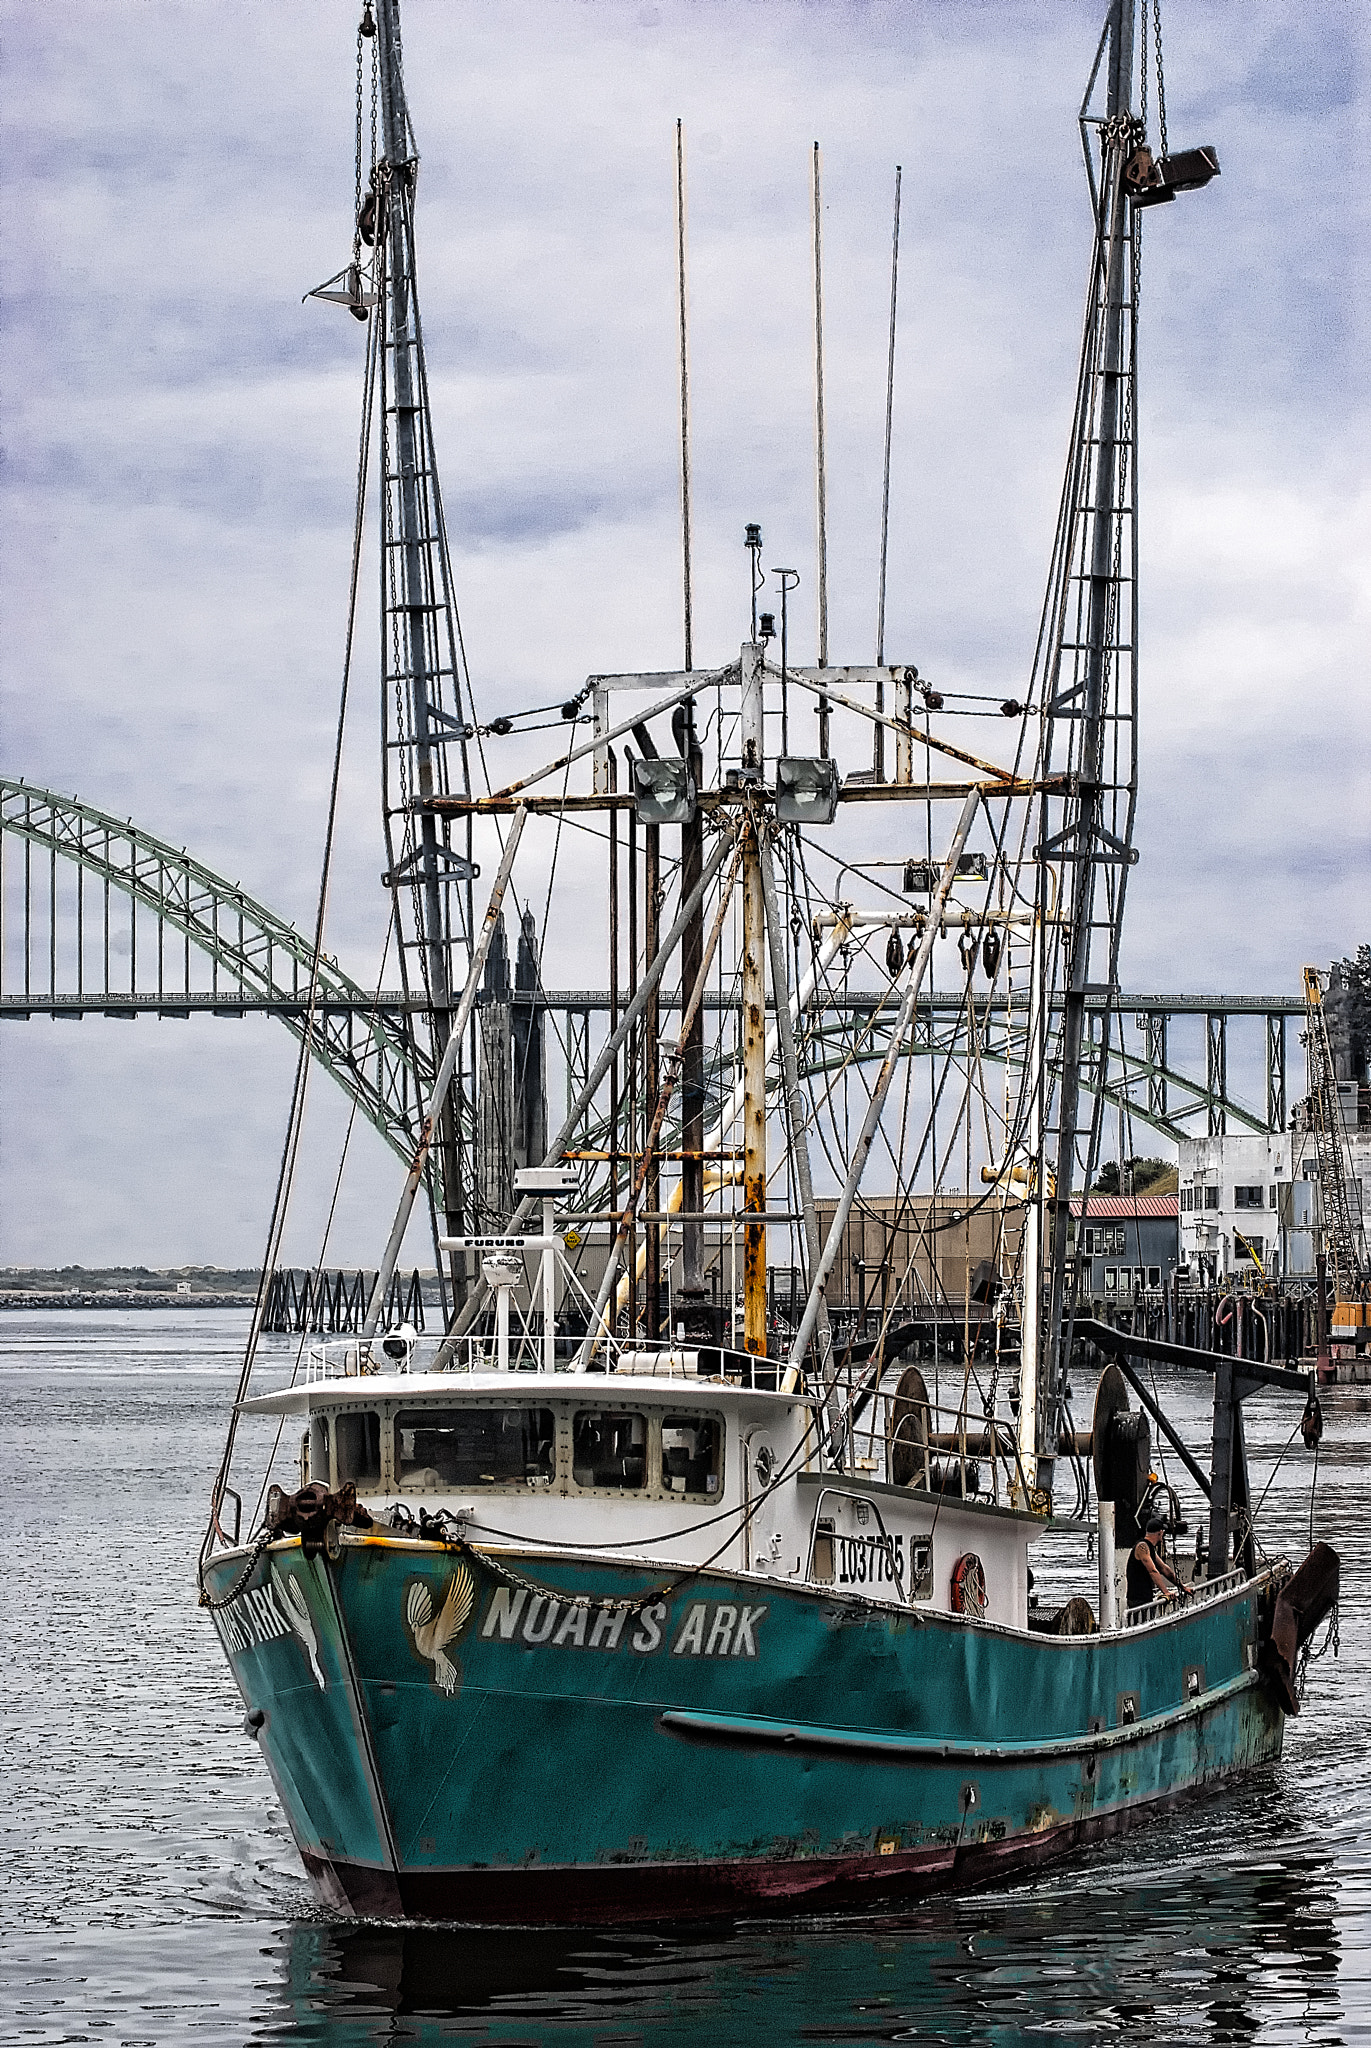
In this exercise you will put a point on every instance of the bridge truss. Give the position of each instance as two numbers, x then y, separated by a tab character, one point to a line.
97	917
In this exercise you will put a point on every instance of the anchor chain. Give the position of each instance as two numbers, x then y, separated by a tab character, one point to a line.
443	1528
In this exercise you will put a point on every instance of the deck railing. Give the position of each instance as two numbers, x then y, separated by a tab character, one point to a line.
1201	1592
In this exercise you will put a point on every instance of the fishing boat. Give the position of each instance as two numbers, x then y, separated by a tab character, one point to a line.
687	1567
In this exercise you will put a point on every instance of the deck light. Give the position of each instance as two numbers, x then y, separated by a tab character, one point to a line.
806	790
923	876
1153	181
663	792
400	1344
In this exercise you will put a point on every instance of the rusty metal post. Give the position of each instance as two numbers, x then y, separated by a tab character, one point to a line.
1221	1468
693	1096
442	1081
633	1084
754	1018
754	1098
613	989
1322	1363
651	1078
796	1108
904	737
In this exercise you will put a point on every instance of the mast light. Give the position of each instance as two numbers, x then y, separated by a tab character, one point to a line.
806	790
663	791
1152	181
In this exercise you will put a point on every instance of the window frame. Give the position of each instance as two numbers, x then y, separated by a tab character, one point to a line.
475	1487
332	1415
685	1413
652	1451
563	1410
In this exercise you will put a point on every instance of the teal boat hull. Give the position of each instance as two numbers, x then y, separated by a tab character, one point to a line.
495	1741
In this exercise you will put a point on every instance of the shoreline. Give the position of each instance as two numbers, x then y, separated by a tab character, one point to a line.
19	1298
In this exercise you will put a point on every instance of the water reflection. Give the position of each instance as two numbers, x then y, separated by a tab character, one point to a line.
1208	1948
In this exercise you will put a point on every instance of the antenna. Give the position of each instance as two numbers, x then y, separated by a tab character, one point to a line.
878	731
685	388
821	474
889	420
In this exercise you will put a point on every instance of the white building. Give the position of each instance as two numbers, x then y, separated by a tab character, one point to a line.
1250	1201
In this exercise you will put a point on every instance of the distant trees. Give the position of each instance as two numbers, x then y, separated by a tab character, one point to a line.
1348	1009
1139	1177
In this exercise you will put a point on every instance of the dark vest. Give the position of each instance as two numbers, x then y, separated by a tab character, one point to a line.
1141	1585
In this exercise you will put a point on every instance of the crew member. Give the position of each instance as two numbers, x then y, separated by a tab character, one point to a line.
1150	1577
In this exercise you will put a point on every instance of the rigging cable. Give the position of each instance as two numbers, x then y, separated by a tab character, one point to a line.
290	1148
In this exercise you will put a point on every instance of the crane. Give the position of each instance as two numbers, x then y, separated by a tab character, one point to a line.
1340	1198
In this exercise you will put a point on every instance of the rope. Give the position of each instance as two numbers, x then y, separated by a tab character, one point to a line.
328	1223
290	1148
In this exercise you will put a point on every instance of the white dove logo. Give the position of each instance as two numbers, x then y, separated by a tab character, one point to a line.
431	1637
302	1624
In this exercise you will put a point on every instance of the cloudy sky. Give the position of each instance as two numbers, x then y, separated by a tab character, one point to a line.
180	442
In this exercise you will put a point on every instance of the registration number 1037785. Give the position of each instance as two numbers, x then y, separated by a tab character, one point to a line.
882	1561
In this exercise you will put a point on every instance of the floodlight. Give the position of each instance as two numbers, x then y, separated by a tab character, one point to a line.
806	790
921	877
663	792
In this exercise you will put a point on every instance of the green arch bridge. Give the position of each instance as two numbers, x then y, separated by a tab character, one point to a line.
99	917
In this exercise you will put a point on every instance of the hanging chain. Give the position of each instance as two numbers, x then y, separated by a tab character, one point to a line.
1309	1655
357	169
375	88
1161	80
215	1601
1142	75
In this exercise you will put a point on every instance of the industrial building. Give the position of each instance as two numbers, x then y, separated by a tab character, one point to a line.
1127	1248
1250	1202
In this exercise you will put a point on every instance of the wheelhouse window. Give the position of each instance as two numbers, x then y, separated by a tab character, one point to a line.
315	1463
445	1448
692	1454
357	1448
609	1449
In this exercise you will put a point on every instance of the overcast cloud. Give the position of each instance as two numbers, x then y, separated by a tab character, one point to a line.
180	446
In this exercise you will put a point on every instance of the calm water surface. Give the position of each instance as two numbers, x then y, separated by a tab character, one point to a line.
151	1892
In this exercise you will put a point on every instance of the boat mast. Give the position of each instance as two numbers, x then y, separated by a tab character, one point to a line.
424	735
1090	709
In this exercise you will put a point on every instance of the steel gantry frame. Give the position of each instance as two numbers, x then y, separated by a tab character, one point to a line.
257	962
